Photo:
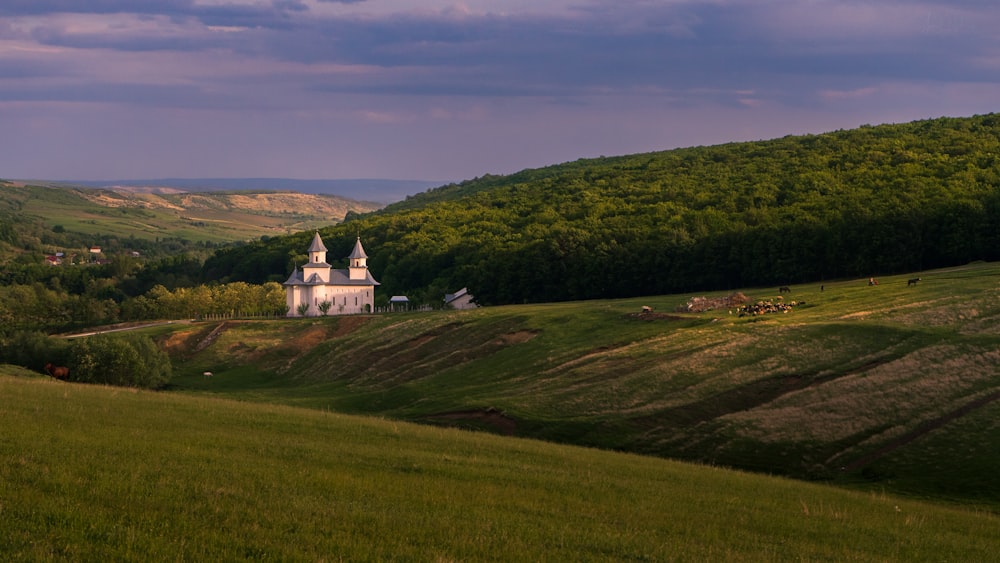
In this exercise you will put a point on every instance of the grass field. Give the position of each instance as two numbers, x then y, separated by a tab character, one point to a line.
91	473
891	387
886	397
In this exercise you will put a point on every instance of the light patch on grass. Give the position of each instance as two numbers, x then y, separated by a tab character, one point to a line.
628	375
945	313
856	315
984	317
917	387
765	353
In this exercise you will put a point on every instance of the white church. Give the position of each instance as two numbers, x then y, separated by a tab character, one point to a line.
317	284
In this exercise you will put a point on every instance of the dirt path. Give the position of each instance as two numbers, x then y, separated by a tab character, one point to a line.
106	330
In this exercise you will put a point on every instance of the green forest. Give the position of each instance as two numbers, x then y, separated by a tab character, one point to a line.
871	201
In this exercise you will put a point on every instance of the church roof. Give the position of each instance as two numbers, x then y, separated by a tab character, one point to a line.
358	252
307	274
317	244
343	277
337	277
295	278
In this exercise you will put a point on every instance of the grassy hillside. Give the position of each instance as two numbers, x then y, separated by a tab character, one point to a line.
361	189
93	473
210	217
891	386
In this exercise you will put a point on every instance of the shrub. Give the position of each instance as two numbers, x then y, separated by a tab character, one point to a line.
129	360
32	349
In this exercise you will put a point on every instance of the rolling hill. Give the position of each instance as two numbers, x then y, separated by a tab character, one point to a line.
215	217
378	190
893	386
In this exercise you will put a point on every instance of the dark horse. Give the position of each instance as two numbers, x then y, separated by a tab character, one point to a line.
58	372
912	282
784	289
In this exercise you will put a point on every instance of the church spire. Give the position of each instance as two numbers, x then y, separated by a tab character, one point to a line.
359	251
358	268
317	250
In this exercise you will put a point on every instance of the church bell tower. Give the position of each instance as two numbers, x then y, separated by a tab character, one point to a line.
358	268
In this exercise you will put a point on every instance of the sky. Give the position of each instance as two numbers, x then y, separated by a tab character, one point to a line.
448	90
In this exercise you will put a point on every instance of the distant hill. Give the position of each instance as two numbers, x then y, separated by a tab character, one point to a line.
50	217
375	190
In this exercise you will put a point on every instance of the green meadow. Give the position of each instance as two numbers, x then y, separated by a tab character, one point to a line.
861	425
888	387
92	473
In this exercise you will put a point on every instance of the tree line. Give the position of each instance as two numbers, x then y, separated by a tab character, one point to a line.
37	307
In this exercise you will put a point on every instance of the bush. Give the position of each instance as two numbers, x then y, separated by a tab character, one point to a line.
33	349
128	360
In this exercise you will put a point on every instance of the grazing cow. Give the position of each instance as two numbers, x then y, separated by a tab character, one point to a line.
207	374
58	372
784	289
912	282
647	309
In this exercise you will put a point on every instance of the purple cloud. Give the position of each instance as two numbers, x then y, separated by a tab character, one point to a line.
577	77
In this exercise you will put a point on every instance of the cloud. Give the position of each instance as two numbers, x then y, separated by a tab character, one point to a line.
464	68
600	46
836	95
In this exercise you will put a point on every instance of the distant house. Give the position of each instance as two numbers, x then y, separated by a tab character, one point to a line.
53	260
95	249
313	285
461	299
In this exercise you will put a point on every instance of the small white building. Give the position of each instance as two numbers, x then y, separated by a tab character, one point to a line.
347	291
461	299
